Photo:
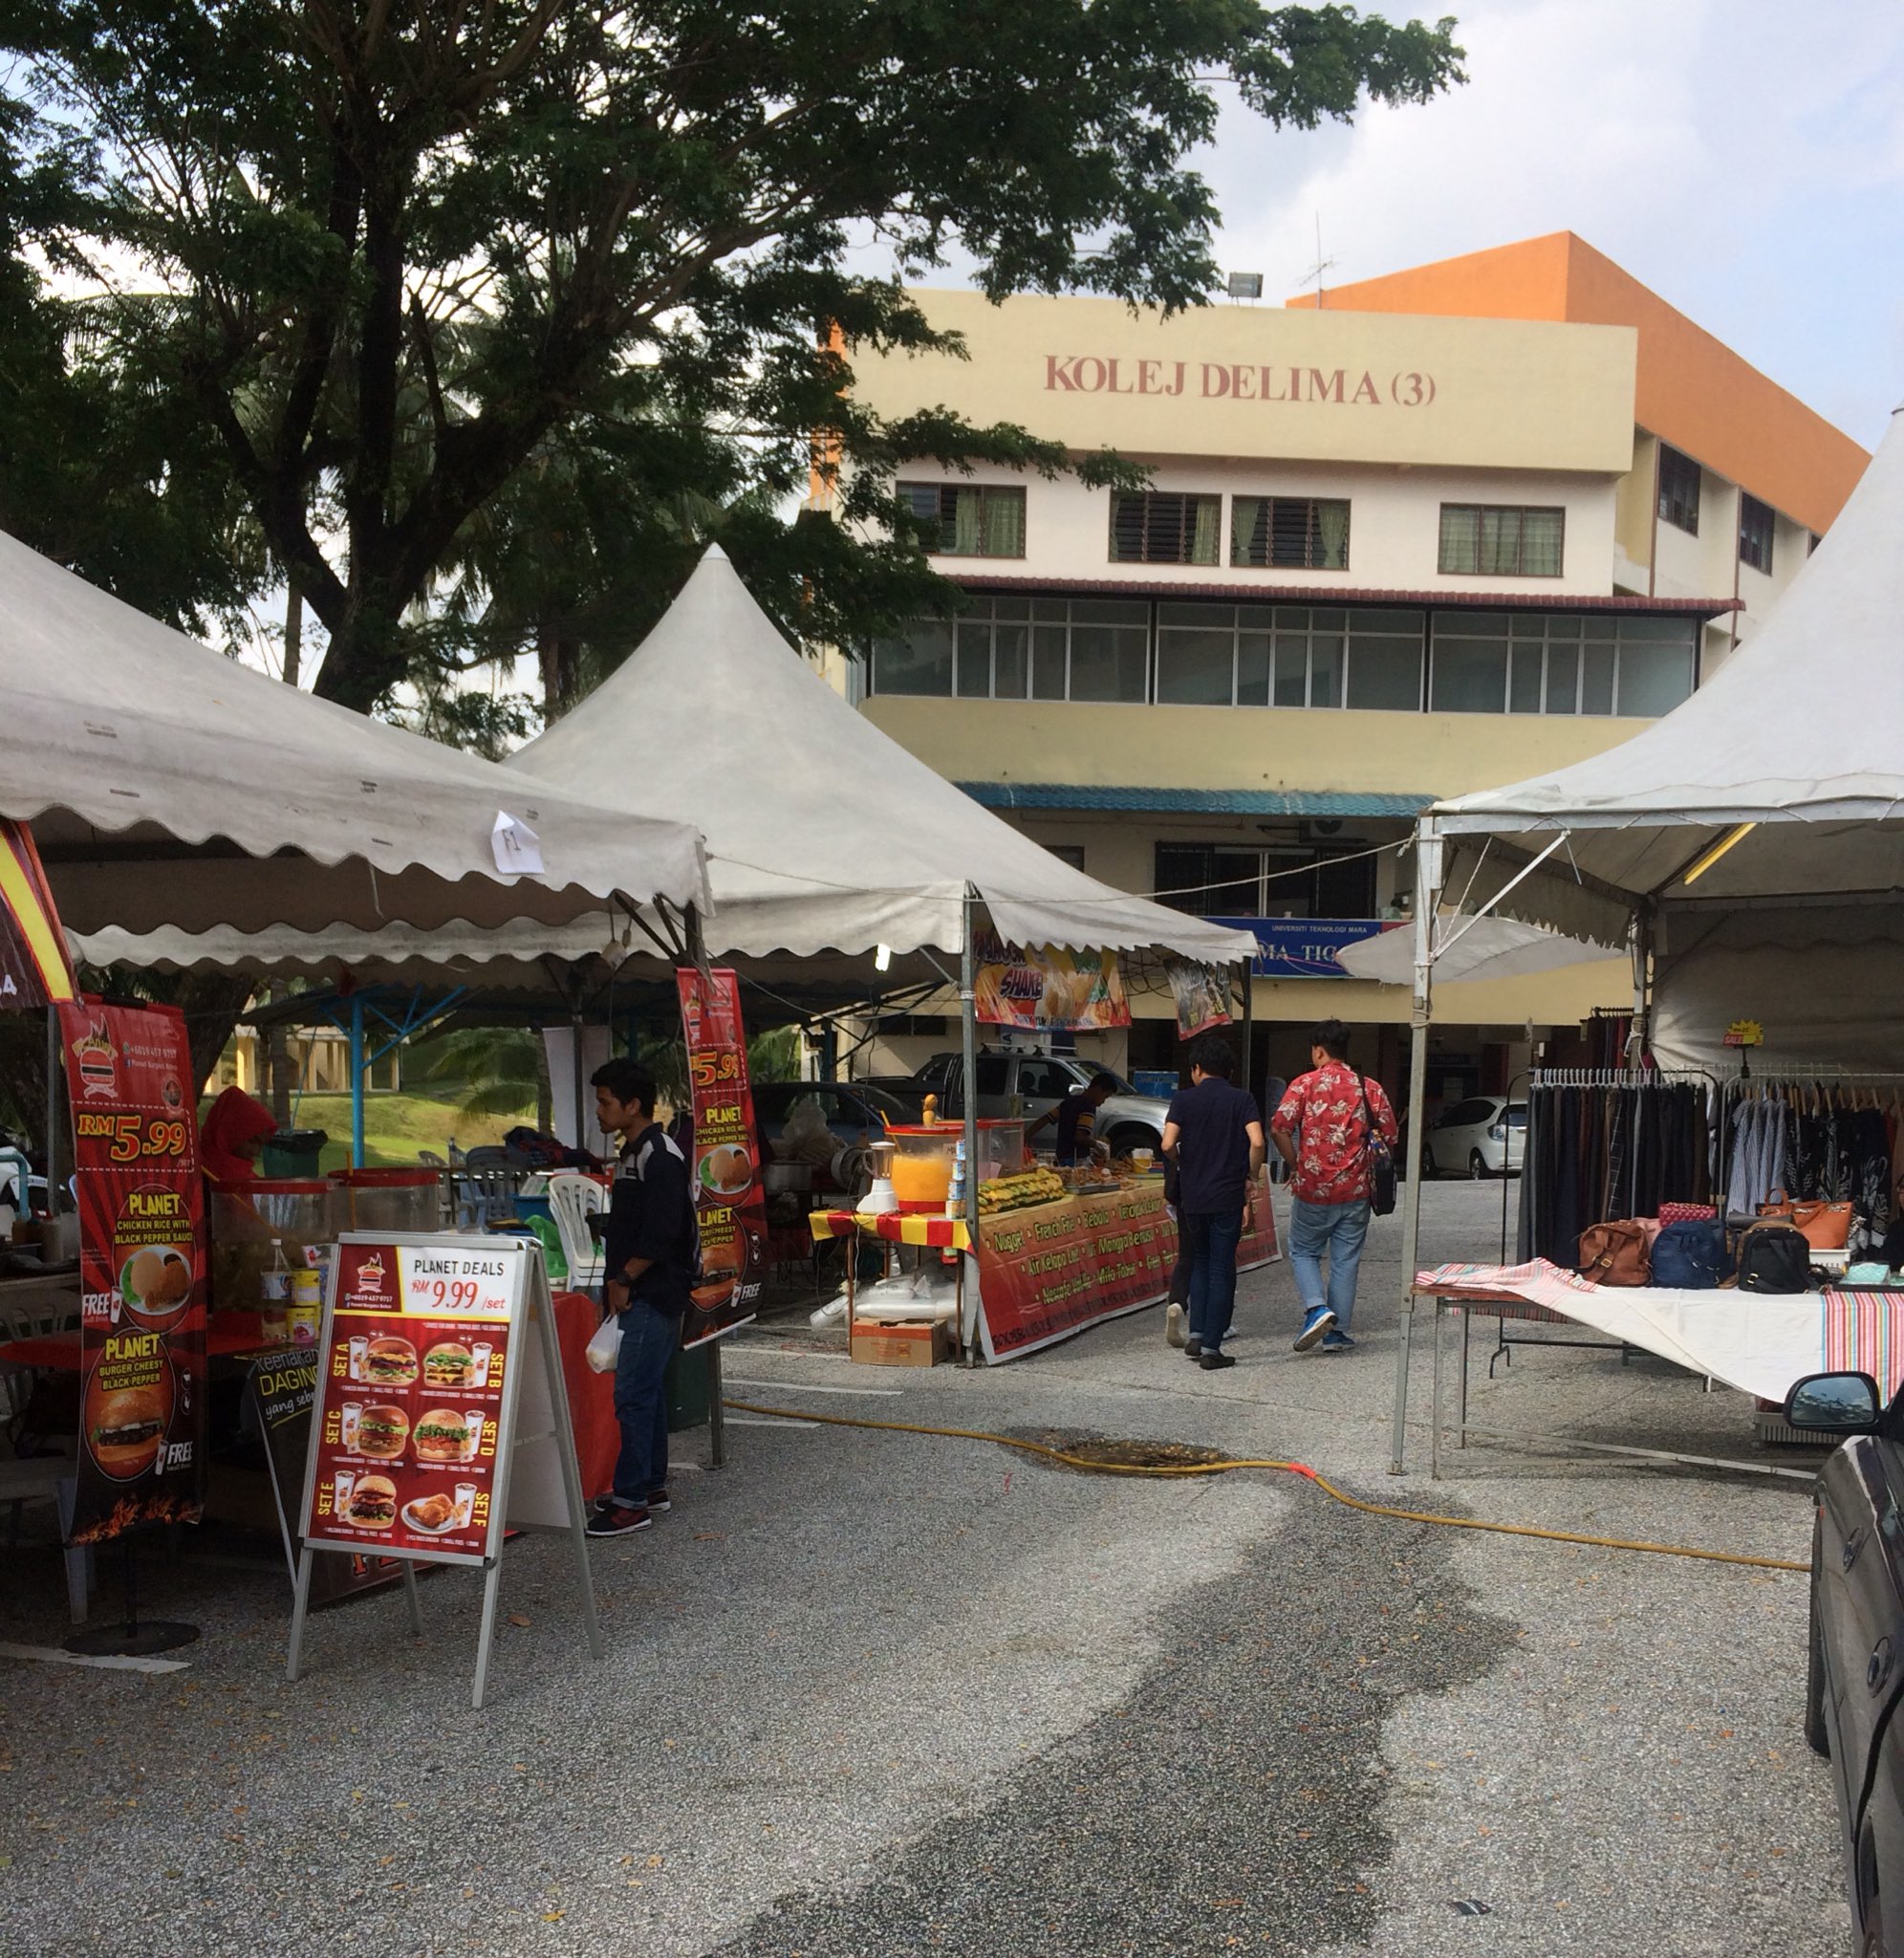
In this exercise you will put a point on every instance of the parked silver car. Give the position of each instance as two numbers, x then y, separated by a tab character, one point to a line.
1028	1084
1483	1136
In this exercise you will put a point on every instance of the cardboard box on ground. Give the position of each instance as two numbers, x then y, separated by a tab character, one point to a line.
907	1342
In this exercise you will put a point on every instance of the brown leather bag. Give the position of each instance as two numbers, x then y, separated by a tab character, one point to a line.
1616	1254
1824	1225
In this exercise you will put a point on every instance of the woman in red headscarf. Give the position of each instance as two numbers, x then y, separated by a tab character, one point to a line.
233	1131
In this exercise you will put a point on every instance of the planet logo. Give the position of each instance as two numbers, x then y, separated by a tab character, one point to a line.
97	1062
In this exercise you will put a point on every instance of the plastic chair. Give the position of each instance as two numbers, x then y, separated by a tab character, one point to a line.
573	1197
484	1185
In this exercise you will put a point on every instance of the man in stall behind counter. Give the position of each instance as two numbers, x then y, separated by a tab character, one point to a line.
1074	1115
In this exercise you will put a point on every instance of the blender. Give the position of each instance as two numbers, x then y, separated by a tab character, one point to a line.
881	1197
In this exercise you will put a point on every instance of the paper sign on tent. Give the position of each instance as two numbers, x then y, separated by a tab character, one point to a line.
518	848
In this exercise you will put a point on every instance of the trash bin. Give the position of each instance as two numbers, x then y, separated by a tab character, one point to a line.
689	1390
294	1152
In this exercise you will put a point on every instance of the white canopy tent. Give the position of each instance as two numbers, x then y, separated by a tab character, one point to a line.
169	787
1759	822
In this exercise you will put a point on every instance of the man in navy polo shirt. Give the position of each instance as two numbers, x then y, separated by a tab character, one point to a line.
1214	1135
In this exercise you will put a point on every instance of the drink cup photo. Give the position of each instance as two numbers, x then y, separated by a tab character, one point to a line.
479	1361
475	1416
341	1486
359	1347
353	1414
466	1504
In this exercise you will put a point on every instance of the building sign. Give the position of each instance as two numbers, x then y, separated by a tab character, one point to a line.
1237	381
731	1207
142	1268
1305	948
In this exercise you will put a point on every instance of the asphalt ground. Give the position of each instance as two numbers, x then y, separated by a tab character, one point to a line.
874	1693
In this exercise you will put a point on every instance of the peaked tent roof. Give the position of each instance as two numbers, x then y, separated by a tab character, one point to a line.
823	833
1801	734
168	786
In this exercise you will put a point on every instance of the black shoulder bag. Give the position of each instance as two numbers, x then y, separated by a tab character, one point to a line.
1378	1156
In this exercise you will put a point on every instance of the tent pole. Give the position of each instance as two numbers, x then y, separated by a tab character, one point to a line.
1427	891
357	1080
969	1035
1640	1041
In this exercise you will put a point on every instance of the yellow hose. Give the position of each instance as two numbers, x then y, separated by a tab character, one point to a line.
1224	1468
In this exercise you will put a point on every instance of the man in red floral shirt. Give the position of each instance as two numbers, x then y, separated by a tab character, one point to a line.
1320	1131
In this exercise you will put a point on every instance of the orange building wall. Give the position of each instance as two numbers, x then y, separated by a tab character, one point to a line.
1692	389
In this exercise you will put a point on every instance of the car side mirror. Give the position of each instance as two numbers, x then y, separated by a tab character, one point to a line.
1835	1403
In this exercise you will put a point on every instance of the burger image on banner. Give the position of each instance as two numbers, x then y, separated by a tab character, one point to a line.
372	1503
390	1361
449	1364
441	1434
383	1430
128	1408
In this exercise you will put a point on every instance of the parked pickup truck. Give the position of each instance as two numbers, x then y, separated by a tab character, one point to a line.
1028	1084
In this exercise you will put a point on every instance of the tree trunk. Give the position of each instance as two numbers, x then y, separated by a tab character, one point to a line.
545	1091
213	1003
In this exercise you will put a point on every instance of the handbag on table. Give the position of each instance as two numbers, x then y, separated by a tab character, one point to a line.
1614	1253
1824	1225
1774	1257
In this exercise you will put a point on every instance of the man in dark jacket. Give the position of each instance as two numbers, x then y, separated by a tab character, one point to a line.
648	1268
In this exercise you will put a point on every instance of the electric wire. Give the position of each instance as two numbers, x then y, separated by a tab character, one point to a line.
1228	1464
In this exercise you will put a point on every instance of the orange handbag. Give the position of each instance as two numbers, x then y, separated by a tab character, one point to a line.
1616	1254
1824	1225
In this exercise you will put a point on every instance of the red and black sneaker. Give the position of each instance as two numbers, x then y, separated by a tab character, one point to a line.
619	1519
658	1501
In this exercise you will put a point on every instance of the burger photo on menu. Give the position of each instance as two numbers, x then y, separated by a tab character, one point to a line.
125	1426
443	1435
382	1433
449	1364
432	1514
390	1361
372	1503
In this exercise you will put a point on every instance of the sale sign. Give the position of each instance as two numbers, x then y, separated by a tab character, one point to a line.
413	1357
731	1205
1053	1269
142	1268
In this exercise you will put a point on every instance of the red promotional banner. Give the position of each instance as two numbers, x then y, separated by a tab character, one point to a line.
1050	1270
416	1349
728	1200
35	969
142	1268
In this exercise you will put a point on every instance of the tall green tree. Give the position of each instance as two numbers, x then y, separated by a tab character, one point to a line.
418	247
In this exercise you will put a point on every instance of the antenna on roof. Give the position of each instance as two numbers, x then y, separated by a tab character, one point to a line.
1321	265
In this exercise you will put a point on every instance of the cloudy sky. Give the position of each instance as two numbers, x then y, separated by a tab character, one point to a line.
1745	159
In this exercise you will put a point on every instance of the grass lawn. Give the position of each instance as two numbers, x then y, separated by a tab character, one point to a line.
396	1126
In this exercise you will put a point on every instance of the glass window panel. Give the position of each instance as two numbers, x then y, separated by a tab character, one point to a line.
1461	537
1540	532
1474	624
1047	663
1327	618
1331	536
1056	610
1653	678
1564	625
1596	681
1107	663
1500	553
1291	532
1524	681
1326	669
1531	626
1193	668
1011	608
1405	624
1289	618
1470	676
1252	669
1385	673
1221	617
1238	877
919	660
1003	526
974	658
1292	684
1680	630
1249	520
1110	612
1011	659
1562	693
968	525
1258	618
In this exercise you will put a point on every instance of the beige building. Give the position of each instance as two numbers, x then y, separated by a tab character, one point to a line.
1452	529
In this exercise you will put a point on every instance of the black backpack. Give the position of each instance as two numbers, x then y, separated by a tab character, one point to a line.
1380	1158
1774	1257
1691	1256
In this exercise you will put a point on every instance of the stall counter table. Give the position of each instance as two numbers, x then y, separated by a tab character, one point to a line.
1051	1269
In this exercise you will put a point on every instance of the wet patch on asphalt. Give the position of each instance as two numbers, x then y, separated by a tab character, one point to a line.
1231	1803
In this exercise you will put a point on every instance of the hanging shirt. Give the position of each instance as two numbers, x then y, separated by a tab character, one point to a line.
1324	1111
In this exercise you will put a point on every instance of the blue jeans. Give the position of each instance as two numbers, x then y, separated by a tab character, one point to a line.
648	1340
1331	1230
1210	1238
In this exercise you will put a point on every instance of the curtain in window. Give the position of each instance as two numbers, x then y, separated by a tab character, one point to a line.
1540	543
1332	520
1499	554
1203	542
1461	537
968	522
1005	523
1249	516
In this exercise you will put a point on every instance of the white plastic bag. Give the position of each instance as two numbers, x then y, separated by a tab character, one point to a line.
605	1348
